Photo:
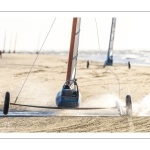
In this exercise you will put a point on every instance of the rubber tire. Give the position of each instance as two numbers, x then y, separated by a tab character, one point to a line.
6	103
88	63
128	105
129	65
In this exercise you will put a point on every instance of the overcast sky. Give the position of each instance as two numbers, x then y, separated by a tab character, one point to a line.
132	31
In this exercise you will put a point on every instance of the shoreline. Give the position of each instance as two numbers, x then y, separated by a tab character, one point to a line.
81	58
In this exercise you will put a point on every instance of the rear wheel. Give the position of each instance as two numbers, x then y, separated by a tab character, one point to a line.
6	103
129	65
128	105
88	63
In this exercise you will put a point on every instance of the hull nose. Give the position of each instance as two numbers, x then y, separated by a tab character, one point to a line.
68	104
109	62
65	99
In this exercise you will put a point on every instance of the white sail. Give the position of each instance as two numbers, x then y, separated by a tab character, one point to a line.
75	50
4	42
111	41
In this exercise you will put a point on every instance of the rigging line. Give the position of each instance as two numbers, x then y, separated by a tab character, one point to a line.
104	60
35	60
74	57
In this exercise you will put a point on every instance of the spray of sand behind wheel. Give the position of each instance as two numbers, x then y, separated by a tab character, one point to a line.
144	109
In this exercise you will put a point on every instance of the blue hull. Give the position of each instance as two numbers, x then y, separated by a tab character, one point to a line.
109	62
67	101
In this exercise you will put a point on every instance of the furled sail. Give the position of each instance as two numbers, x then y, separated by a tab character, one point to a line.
111	42
73	54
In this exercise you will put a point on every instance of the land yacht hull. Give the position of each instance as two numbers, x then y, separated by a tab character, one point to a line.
68	98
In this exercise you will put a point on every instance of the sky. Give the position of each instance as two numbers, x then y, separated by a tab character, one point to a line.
132	31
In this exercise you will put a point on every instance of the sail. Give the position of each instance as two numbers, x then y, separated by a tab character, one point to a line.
4	42
10	43
111	41
15	44
73	54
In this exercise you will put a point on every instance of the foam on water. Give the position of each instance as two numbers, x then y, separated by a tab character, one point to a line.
130	56
136	57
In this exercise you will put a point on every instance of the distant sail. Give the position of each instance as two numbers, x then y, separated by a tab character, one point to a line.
73	54
15	44
109	60
4	42
10	43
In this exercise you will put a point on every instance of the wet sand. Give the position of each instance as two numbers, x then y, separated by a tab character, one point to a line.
95	84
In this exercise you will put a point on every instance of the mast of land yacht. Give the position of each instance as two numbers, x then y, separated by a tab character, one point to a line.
74	24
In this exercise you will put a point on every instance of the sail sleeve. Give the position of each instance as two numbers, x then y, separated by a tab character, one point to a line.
73	53
111	41
75	50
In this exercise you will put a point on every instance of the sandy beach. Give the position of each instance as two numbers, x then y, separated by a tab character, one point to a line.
98	87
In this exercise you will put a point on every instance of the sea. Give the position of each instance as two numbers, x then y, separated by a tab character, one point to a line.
136	57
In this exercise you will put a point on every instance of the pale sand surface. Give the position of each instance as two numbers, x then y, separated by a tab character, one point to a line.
97	85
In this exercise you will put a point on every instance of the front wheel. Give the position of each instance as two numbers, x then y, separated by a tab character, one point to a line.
6	103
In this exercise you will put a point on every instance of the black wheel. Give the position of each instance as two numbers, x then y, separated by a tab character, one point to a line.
88	63
6	103
129	65
128	105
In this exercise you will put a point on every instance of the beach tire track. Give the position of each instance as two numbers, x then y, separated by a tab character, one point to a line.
131	125
98	124
82	127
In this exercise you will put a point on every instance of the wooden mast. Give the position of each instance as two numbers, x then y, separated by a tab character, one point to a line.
74	24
